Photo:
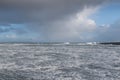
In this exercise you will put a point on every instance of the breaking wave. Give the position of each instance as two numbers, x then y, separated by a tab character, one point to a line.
71	61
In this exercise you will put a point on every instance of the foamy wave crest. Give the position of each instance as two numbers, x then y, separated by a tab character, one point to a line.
91	43
66	43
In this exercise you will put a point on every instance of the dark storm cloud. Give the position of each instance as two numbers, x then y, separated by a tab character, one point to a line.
49	18
42	11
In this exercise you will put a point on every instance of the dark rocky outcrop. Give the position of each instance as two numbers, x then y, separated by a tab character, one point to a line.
110	43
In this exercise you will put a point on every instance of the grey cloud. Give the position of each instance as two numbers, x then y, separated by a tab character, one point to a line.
4	24
41	16
42	11
109	32
5	29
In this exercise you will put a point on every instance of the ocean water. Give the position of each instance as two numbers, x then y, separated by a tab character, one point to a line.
59	61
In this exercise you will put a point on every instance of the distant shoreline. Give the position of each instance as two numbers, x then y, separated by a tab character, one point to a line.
102	43
108	43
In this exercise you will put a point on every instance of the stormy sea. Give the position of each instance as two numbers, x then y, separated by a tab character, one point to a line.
59	61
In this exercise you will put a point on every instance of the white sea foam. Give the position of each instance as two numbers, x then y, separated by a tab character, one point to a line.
66	43
60	62
91	43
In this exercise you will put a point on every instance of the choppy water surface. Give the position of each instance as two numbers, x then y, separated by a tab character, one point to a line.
59	62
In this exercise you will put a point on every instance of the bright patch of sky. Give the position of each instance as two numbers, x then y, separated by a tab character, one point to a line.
107	14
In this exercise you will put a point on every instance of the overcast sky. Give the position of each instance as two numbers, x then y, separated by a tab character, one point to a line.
59	20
